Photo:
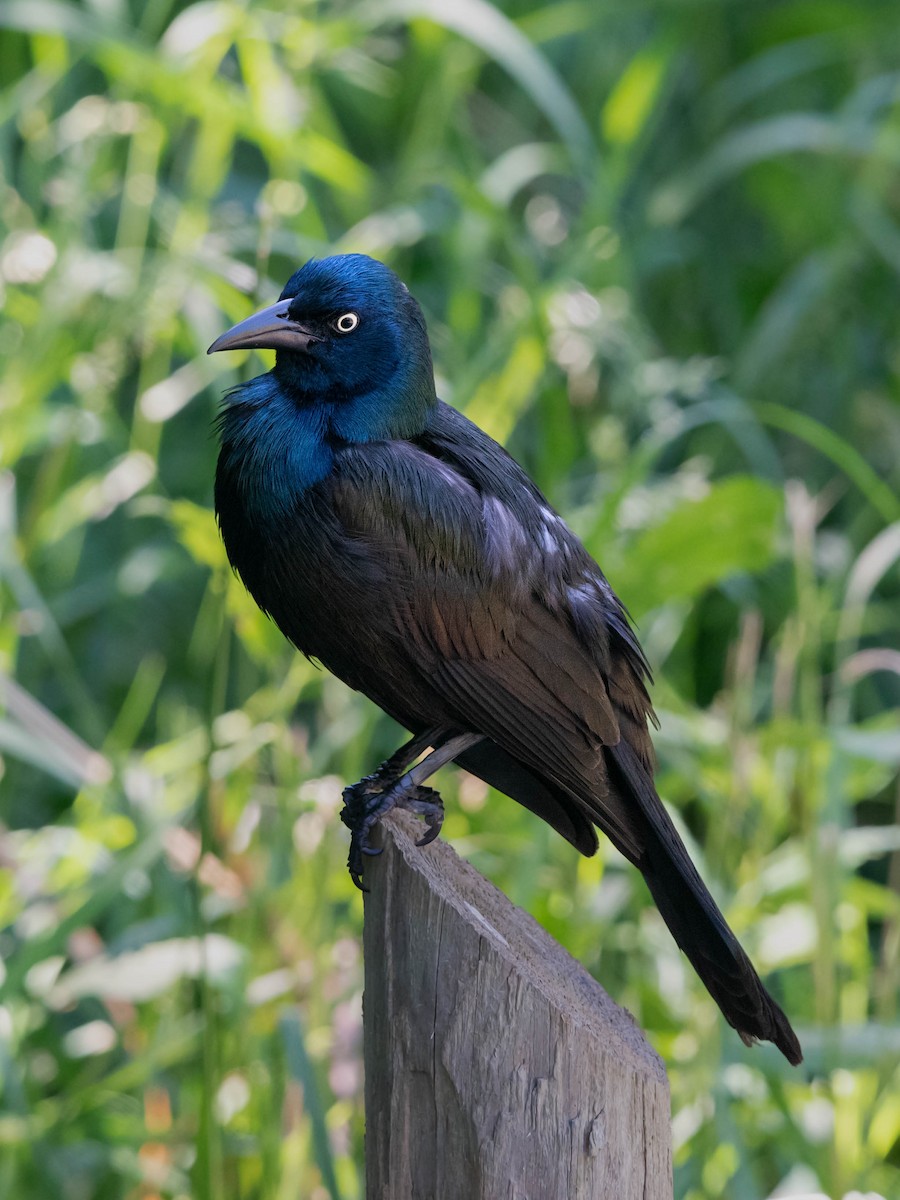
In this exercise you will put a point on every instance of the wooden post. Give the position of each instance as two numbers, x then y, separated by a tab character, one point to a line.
496	1067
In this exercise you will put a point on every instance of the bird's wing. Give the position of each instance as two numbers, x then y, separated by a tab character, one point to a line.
489	612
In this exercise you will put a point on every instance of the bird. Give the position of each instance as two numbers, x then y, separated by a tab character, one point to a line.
397	544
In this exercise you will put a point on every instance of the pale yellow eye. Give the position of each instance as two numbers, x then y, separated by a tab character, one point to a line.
346	323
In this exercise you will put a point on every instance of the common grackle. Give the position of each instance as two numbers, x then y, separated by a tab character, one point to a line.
398	544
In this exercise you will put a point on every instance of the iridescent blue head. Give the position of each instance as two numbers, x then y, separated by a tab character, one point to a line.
350	341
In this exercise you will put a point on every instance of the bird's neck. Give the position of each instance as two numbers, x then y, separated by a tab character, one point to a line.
277	444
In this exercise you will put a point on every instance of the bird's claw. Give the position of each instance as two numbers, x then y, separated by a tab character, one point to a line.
428	804
364	806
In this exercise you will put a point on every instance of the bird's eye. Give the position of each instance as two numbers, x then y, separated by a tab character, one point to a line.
347	323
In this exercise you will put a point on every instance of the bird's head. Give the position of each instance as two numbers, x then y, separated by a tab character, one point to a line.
348	333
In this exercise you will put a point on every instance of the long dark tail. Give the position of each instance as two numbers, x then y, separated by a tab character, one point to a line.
695	921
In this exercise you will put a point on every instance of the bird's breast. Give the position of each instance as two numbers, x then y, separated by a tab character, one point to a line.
291	560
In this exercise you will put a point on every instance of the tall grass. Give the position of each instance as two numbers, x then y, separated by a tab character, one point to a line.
658	248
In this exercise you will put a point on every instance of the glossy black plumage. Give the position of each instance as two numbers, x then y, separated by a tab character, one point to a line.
398	544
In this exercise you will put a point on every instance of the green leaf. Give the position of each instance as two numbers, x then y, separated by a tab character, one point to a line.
494	33
631	100
776	137
197	532
702	542
301	1068
879	494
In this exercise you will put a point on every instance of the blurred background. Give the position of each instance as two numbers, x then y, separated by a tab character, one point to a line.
658	246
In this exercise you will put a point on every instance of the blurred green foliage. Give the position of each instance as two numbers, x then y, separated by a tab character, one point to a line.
658	246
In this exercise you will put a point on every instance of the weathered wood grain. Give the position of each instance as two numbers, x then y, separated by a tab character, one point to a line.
496	1067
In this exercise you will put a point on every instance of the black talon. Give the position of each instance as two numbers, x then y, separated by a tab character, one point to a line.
354	864
366	802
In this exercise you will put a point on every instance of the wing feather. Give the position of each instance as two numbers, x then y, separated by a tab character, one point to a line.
497	614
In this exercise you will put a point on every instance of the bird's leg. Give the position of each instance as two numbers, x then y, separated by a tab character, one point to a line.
366	802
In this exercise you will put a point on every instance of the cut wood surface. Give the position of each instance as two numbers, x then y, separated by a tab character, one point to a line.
496	1067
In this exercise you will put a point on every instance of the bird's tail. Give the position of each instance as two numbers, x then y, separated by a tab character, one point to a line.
696	922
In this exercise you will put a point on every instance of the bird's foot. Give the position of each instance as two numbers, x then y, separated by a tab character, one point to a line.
366	802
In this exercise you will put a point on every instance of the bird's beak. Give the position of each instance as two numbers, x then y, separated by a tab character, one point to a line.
269	329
